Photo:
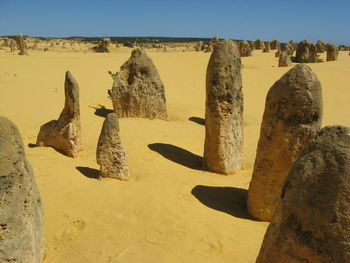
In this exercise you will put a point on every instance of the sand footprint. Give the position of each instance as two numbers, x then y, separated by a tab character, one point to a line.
72	231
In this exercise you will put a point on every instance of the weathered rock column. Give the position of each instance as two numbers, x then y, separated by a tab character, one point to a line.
244	49
21	212
223	147
320	46
64	134
293	115
21	45
259	44
305	52
110	153
138	90
312	221
103	45
284	59
332	52
274	44
267	47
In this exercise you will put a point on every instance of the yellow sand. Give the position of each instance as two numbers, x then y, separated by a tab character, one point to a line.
154	217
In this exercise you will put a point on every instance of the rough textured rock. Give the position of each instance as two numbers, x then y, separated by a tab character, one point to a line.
274	44
12	45
332	52
288	48
267	47
110	153
244	49
320	46
293	115
278	53
199	46
21	45
305	52
284	59
21	212
209	48
312	221
293	44
224	110
259	44
64	134
138	90
6	42
103	45
252	45
214	40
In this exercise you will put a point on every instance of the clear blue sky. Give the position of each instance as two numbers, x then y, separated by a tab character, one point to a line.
284	20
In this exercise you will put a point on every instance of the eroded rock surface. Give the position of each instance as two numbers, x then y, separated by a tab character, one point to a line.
332	52
312	221
244	49
64	134
138	90
21	212
284	59
223	148
305	52
21	45
110	153
293	115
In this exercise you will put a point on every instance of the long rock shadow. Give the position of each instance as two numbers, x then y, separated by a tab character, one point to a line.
197	120
229	200
89	172
178	155
101	111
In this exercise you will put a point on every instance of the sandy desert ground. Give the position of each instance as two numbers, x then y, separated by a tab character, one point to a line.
171	210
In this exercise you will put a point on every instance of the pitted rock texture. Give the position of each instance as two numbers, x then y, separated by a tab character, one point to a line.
110	153
223	147
138	90
312	221
293	115
21	212
64	134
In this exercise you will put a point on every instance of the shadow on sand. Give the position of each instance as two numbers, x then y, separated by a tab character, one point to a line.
178	155
89	172
229	200
197	120
101	110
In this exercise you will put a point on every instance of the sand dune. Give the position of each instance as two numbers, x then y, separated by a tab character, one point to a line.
171	210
